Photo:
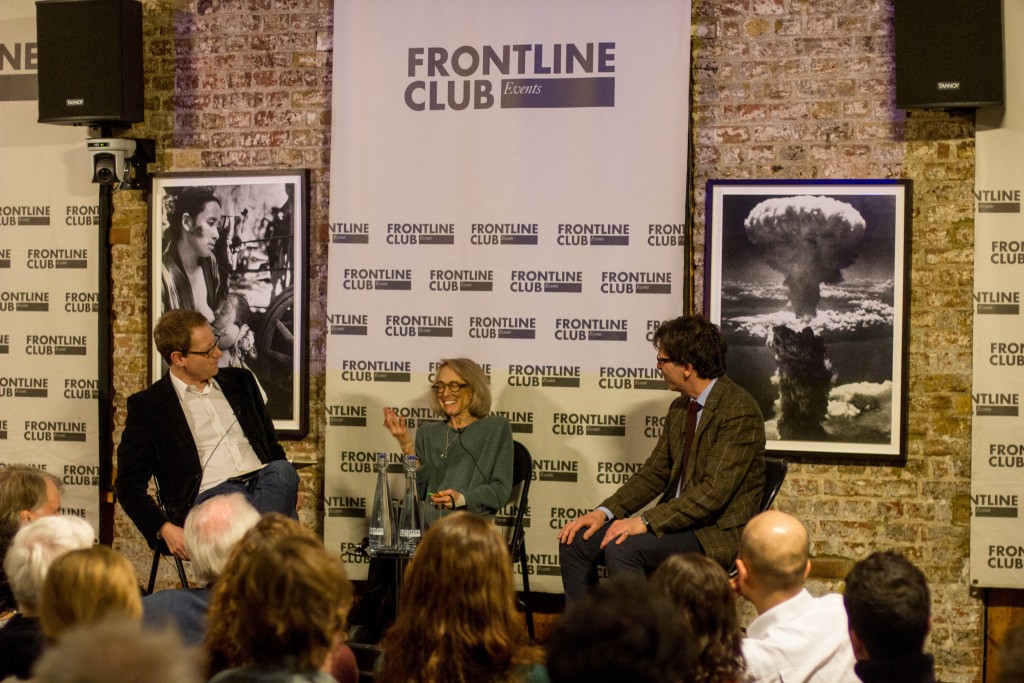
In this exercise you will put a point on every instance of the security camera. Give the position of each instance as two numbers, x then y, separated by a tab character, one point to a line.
110	165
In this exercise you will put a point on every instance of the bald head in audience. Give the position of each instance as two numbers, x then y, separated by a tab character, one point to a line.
774	559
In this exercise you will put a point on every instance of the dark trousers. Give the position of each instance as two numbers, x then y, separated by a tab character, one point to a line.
636	555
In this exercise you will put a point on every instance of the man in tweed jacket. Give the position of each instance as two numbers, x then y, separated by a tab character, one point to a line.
706	498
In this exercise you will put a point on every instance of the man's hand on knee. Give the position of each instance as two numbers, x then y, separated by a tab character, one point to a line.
174	537
621	529
588	523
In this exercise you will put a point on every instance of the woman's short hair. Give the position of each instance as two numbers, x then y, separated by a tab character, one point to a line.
34	549
475	377
173	331
458	599
86	586
700	590
287	601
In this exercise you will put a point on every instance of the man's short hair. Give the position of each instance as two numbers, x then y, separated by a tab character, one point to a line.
118	651
212	529
21	488
621	631
693	340
173	332
888	605
35	548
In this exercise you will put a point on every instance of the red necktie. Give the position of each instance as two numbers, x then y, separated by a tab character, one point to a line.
691	429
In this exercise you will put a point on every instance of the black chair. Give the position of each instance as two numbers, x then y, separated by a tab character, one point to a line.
161	550
774	474
522	473
366	660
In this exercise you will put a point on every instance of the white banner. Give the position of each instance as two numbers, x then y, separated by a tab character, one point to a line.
508	184
997	443
48	281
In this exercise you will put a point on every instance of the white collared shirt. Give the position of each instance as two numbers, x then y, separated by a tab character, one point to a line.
224	450
804	639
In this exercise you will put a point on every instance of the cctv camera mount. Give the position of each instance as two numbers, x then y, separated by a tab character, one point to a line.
122	162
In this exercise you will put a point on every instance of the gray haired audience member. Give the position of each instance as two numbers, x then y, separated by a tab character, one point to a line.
34	548
621	631
889	608
212	529
118	651
26	494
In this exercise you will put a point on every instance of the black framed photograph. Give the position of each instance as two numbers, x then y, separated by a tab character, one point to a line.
232	245
808	280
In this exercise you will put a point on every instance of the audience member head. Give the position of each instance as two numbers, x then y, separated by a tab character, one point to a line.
173	331
695	341
700	590
1011	657
118	651
474	376
621	631
458	606
281	600
888	607
86	586
34	548
212	528
774	559
26	494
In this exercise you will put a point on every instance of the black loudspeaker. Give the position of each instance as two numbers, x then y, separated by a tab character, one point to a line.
89	61
949	53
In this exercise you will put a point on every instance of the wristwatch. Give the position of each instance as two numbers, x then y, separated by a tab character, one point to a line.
643	518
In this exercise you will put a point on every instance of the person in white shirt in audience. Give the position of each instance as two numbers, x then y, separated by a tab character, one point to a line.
796	638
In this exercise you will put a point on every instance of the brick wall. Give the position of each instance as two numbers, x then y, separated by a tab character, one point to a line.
805	89
781	89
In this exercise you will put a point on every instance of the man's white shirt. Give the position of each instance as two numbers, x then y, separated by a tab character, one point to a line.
224	450
802	639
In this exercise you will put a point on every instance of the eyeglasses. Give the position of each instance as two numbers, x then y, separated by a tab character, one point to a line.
207	352
454	387
662	361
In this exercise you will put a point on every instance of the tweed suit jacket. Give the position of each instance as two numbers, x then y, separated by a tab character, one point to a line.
157	442
724	477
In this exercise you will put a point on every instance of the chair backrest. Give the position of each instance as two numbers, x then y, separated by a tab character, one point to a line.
774	474
522	473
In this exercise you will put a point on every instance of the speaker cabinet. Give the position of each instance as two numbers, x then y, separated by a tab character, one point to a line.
949	53
90	61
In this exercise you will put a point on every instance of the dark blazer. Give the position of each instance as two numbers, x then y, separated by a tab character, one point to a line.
724	475
157	442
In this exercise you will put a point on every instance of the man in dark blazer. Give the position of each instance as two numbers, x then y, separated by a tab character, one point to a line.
707	496
201	431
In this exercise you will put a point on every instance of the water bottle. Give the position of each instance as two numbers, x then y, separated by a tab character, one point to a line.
382	521
410	526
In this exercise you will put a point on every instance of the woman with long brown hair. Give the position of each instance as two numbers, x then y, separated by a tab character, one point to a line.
457	621
699	588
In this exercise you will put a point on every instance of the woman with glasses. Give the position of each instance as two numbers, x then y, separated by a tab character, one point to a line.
466	460
465	464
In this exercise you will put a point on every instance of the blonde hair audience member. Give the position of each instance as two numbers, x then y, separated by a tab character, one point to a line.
86	586
458	621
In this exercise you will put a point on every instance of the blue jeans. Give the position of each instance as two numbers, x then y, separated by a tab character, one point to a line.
275	488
